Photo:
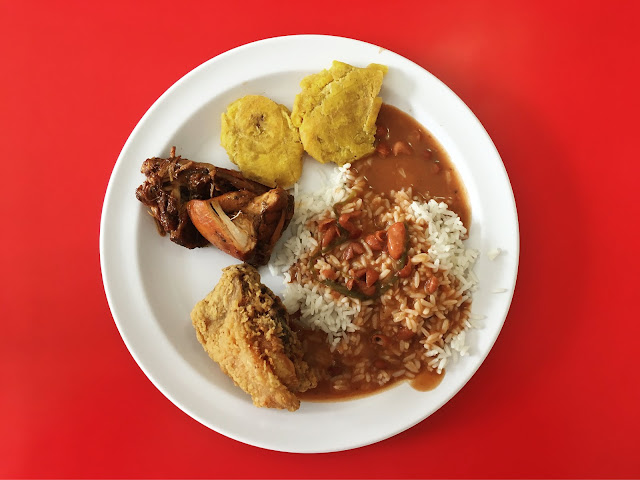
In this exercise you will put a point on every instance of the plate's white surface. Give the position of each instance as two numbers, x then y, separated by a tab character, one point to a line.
152	284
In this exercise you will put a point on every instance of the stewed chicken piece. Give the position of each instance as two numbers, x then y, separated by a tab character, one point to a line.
199	203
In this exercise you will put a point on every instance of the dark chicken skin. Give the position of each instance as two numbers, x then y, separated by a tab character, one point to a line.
199	203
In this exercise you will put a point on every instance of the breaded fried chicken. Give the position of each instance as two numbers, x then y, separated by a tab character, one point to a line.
244	327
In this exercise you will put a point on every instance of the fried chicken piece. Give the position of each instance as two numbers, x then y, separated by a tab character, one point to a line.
244	327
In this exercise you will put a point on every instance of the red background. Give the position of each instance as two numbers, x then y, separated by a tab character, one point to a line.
554	83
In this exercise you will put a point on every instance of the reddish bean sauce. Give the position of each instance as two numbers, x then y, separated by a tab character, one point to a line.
406	156
423	164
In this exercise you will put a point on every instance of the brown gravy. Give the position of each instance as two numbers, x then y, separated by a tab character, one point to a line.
426	167
318	355
423	382
427	380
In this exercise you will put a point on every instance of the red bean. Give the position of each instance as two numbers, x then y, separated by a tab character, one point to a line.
329	236
329	273
358	249
379	363
354	232
347	254
346	217
383	149
396	240
401	148
325	224
405	271
352	250
371	277
361	272
374	242
432	285
380	339
405	334
365	289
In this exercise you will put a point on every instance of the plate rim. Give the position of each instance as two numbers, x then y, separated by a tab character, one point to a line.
103	240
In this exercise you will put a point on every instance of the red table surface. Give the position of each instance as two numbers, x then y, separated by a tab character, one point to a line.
554	83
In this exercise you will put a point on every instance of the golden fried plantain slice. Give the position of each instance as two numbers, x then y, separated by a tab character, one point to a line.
260	138
336	112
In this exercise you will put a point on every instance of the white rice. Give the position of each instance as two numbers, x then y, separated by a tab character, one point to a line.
447	251
319	310
493	253
308	206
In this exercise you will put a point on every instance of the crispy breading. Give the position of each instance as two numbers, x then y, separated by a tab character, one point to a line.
244	327
336	112
260	138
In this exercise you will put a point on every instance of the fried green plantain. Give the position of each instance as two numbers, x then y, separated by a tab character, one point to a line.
336	112
261	140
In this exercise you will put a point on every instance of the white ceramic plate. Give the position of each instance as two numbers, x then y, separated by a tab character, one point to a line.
152	284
